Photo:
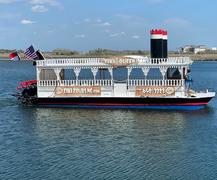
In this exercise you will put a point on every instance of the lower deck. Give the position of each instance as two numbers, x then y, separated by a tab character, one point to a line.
108	88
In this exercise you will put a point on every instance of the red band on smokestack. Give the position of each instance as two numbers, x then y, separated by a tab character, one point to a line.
165	34
156	32
159	32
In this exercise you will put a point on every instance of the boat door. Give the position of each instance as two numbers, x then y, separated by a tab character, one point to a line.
120	89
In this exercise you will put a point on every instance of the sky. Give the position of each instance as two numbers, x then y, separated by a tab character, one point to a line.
84	25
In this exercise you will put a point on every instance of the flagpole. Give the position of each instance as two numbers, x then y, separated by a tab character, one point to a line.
41	54
18	55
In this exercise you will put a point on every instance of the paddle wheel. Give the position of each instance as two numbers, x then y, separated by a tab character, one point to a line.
27	92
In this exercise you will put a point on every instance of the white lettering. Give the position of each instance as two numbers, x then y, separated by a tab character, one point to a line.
78	91
155	91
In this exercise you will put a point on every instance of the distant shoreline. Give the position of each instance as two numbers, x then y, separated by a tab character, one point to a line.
194	57
203	57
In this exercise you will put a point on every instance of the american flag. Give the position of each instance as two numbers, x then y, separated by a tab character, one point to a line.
30	53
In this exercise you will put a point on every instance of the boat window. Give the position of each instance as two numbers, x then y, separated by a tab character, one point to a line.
120	74
154	73
47	74
85	74
137	73
68	74
103	74
173	73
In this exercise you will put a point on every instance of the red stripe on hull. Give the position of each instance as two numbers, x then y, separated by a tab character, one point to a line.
113	104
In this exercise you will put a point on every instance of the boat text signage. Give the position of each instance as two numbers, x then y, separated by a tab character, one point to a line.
116	62
78	91
153	91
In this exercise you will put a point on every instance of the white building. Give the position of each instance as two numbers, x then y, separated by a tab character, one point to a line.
199	49
193	49
187	49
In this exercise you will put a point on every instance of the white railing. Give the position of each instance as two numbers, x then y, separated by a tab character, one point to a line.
170	60
74	61
54	83
114	61
175	83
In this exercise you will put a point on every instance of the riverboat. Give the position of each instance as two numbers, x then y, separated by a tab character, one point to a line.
114	82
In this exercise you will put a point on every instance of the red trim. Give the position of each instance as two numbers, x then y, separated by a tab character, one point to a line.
159	32
26	84
156	32
164	33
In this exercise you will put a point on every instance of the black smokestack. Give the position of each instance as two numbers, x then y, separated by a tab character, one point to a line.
165	44
156	43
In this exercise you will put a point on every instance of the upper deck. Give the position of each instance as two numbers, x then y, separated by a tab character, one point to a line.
115	62
66	75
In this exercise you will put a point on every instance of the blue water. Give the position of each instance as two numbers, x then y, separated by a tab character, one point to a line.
105	144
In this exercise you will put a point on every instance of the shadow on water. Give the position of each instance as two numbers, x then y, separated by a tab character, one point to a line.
101	114
88	124
77	112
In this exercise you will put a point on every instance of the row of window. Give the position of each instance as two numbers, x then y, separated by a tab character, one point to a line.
119	74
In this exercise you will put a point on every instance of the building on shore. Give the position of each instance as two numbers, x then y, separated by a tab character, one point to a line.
193	49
